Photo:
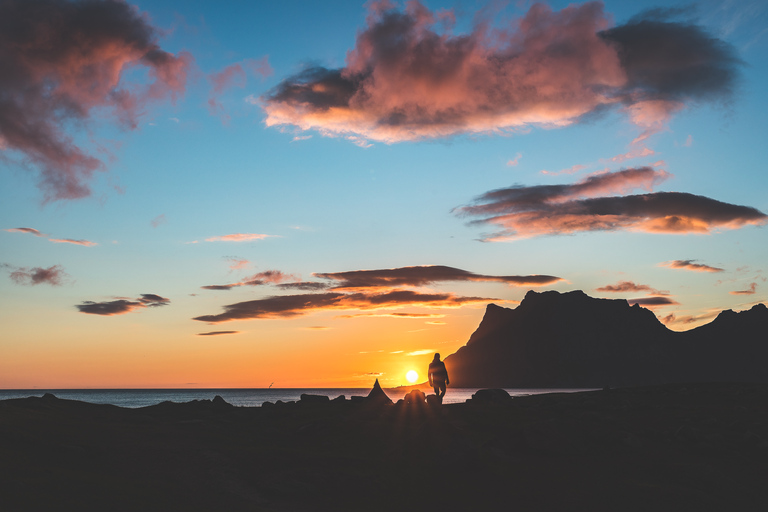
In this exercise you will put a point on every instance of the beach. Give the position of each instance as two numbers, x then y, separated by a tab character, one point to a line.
672	447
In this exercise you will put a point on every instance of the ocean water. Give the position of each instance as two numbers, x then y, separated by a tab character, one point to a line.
134	398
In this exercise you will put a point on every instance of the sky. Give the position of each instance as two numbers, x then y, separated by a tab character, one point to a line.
319	194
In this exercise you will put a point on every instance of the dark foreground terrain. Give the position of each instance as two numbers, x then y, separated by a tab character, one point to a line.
677	447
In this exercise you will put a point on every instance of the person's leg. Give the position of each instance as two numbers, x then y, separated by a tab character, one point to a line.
442	390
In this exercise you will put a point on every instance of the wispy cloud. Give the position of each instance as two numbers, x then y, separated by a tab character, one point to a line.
85	243
515	161
53	275
409	77
420	352
238	237
121	306
159	220
266	277
424	275
217	333
31	231
749	291
690	265
234	75
61	61
629	286
637	152
538	210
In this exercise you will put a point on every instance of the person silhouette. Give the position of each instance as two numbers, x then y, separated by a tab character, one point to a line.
438	377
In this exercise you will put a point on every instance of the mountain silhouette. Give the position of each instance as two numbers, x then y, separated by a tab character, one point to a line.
570	339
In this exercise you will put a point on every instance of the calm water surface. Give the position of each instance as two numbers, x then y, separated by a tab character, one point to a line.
134	398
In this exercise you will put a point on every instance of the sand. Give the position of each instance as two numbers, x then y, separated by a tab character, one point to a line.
676	447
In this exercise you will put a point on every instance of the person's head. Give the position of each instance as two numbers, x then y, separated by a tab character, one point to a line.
437	356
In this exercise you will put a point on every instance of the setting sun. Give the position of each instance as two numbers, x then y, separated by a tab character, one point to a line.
412	376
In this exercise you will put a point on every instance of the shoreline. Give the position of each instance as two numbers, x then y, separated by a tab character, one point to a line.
673	447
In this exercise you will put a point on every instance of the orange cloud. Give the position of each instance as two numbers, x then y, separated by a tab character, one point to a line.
59	60
690	265
408	79
749	291
286	306
565	209
121	306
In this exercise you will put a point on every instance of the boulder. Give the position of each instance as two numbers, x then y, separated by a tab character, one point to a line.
490	396
314	399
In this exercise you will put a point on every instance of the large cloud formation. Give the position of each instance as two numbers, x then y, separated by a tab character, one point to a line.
294	305
422	276
122	306
409	78
566	209
60	60
365	290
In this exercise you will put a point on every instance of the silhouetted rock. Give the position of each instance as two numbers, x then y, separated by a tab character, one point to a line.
490	396
49	396
434	401
377	396
313	399
340	398
569	339
415	396
220	402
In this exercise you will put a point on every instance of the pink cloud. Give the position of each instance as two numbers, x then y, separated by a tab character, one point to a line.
85	243
31	231
234	75
238	264
238	237
749	291
690	265
523	212
571	170
629	286
59	63
637	152
275	277
515	161
409	77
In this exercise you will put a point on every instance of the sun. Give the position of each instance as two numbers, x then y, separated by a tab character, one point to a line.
412	376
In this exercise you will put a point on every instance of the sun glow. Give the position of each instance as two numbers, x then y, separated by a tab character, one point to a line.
412	376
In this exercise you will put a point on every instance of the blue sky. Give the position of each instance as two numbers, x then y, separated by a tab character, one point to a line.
322	203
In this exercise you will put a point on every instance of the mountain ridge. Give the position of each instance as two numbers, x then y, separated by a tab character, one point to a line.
570	339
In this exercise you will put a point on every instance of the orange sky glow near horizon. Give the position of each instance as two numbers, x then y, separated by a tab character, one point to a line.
322	194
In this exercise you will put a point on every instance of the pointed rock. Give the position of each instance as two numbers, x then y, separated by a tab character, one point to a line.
377	395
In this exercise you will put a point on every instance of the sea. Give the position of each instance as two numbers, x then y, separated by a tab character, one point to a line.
135	398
